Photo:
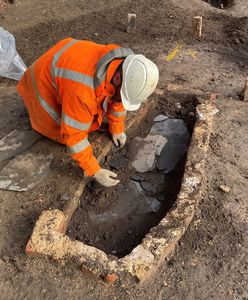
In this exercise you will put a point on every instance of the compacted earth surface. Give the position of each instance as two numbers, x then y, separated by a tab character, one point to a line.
210	261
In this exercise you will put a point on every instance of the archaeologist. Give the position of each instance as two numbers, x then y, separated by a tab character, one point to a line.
70	89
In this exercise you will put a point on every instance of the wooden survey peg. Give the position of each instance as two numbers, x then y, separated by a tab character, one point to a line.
197	27
244	92
131	23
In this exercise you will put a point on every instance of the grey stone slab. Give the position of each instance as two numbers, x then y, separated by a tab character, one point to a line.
178	140
17	142
146	149
25	171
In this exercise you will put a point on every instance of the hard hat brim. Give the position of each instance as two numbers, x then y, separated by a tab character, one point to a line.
126	103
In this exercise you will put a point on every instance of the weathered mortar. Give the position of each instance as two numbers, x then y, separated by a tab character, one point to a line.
48	235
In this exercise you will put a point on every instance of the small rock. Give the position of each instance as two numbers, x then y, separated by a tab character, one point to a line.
137	177
236	40
148	187
178	105
138	186
160	118
65	197
159	91
154	204
165	283
224	188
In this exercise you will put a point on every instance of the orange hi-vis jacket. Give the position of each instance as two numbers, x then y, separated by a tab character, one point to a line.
67	92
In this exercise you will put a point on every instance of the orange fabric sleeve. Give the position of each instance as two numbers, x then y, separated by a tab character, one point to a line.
75	124
116	116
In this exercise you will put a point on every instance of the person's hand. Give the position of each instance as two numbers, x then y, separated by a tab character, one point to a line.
119	139
105	178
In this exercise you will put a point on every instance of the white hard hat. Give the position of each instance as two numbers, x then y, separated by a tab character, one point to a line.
139	79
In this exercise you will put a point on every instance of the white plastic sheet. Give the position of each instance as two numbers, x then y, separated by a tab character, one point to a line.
11	64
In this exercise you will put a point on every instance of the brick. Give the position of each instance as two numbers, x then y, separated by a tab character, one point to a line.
110	278
28	249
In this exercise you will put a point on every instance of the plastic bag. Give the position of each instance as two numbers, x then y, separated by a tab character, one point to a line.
11	64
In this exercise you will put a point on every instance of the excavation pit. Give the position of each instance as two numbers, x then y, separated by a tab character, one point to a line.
115	220
220	3
152	244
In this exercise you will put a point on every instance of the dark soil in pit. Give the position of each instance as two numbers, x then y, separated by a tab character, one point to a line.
116	219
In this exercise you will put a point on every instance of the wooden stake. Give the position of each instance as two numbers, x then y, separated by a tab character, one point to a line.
131	23
244	93
197	27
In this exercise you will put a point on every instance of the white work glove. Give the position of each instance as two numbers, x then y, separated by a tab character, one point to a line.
104	177
119	139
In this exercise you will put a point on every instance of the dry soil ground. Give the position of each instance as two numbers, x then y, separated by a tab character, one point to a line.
210	261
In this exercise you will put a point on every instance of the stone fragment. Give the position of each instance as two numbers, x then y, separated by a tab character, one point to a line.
148	187
137	177
225	189
154	204
145	151
160	118
178	140
138	186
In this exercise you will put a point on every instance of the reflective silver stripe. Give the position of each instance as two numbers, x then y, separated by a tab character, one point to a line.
118	113
56	58
48	108
75	76
102	65
79	146
74	123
